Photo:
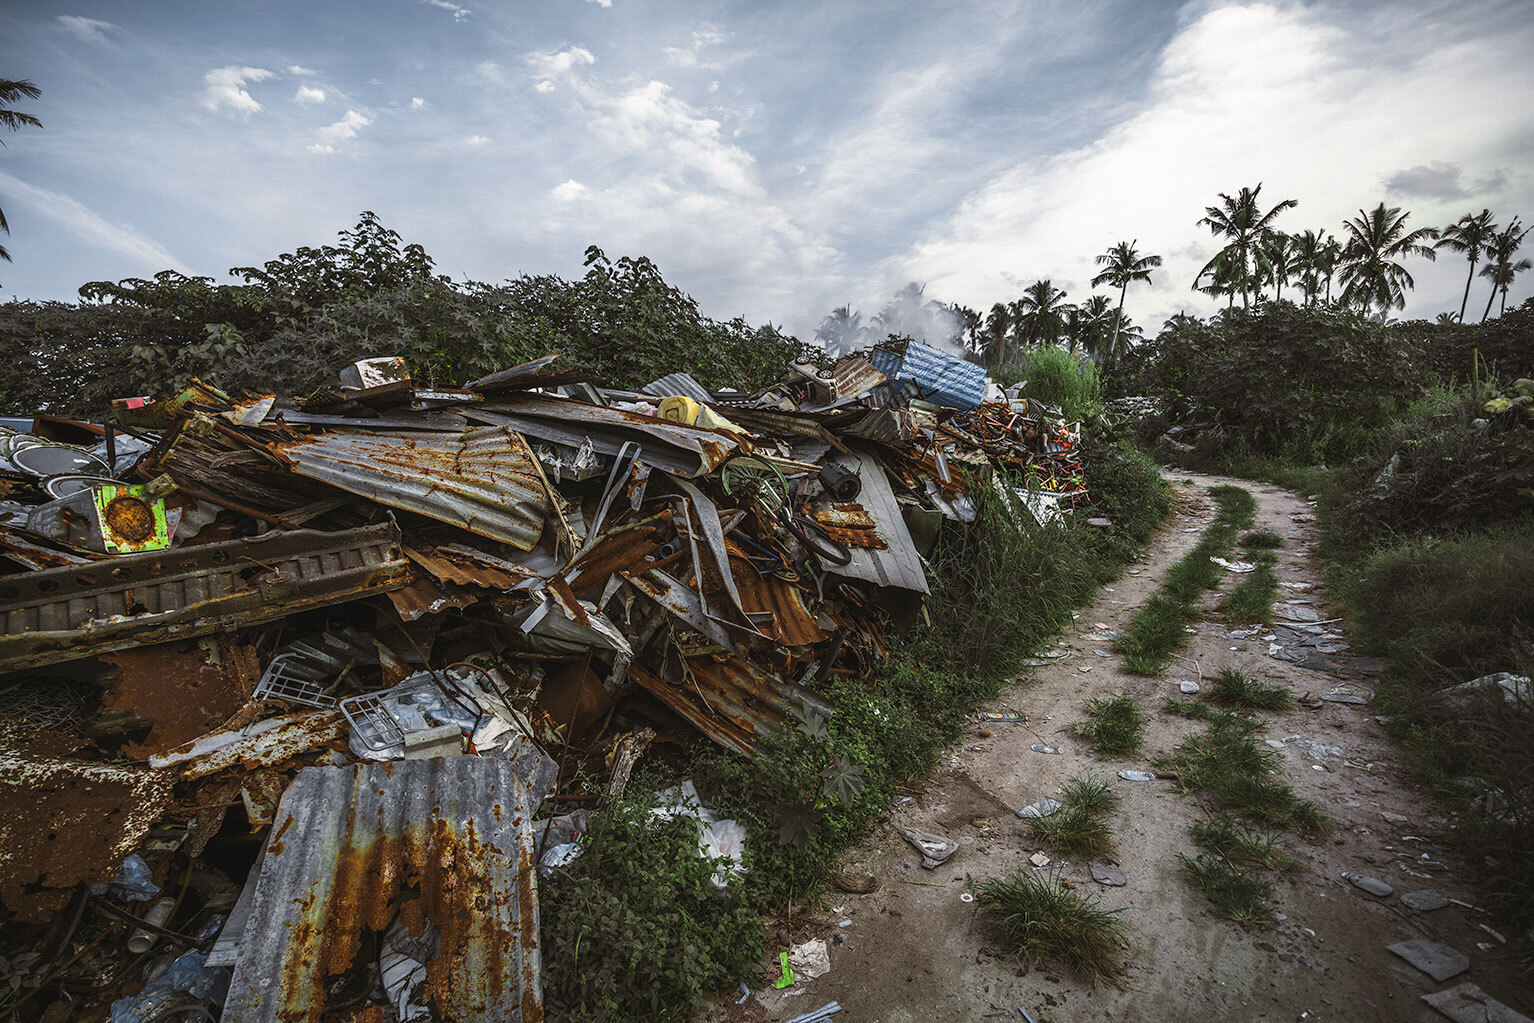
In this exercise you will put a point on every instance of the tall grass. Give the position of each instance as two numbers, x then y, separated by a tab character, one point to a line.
1042	919
1057	377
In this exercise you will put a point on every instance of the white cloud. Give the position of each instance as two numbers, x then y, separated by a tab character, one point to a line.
690	56
300	71
417	103
544	86
307	94
90	30
80	221
558	64
341	131
225	87
1242	95
476	141
459	13
569	191
601	3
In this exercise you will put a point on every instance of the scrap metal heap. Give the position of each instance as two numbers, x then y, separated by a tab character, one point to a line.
284	681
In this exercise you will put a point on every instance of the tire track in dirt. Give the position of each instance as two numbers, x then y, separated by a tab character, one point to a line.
914	952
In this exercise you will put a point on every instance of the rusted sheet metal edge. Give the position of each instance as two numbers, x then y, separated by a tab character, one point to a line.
483	479
687	703
267	600
349	843
898	564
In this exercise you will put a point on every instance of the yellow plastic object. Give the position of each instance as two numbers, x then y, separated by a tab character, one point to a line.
677	409
1497	406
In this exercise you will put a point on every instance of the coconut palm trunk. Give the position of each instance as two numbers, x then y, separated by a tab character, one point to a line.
1464	301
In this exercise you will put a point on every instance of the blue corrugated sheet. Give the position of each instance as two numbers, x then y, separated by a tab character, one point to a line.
942	378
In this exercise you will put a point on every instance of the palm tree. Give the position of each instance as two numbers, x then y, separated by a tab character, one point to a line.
1470	235
15	120
1123	265
1370	273
1311	250
1500	267
1277	259
842	331
1099	319
998	327
1243	222
1224	278
1041	307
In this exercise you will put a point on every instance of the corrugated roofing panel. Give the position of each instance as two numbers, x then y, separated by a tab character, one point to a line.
898	564
483	479
61	614
444	843
678	383
729	699
943	378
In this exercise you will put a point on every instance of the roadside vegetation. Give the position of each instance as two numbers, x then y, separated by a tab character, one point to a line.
1417	441
1158	628
1083	825
1115	726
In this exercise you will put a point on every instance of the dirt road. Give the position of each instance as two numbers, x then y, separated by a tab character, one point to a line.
914	952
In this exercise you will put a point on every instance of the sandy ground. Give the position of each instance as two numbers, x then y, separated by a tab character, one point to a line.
915	951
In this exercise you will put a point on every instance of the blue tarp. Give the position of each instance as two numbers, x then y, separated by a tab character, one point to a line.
943	379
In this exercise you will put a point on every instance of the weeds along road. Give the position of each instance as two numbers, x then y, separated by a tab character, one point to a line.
916	951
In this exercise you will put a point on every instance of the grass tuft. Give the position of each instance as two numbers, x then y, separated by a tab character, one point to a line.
1116	727
1225	837
1153	632
1243	896
1076	830
1263	539
1241	690
1042	919
1186	708
1092	794
1252	599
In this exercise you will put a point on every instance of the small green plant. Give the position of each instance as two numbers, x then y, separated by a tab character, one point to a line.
1252	599
1237	689
1082	825
1225	837
1116	726
1041	919
1262	539
1153	632
1243	896
838	779
1186	708
1092	794
1074	830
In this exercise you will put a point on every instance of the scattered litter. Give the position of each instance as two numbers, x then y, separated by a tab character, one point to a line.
821	1014
1043	808
1107	873
786	977
853	883
1467	1003
1187	685
1039	859
1041	748
745	993
1129	775
1246	633
934	849
1433	958
1240	567
809	960
1315	752
966	897
1373	886
992	716
1274	744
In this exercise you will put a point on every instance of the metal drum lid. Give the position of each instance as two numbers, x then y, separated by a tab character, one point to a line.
44	460
69	483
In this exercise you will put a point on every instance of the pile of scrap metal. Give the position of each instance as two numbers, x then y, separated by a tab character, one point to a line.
285	682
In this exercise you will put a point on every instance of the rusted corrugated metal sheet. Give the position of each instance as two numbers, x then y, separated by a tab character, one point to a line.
445	843
485	480
675	447
729	699
463	567
62	614
792	624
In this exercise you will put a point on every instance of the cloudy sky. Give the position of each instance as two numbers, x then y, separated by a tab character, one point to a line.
774	159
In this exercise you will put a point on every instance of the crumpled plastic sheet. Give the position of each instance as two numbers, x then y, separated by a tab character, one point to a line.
188	979
717	839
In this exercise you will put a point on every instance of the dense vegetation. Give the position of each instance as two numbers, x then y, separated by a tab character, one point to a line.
297	319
